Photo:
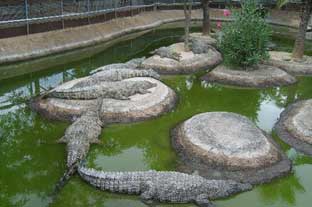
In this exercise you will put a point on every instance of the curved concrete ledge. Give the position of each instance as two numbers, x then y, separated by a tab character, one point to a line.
43	44
263	77
284	61
37	49
188	63
295	126
222	145
161	99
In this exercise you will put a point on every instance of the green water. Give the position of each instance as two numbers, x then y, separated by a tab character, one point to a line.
31	162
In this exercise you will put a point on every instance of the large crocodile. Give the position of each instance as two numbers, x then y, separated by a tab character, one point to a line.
121	90
172	187
131	64
167	52
78	136
199	46
121	74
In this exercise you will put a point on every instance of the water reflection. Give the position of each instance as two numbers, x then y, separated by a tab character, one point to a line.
31	161
131	159
268	114
284	191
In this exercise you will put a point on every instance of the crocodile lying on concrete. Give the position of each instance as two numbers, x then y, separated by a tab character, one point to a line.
199	46
132	64
167	52
172	187
121	74
102	85
113	75
120	90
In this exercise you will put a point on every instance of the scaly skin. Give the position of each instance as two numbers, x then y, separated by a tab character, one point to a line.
172	187
80	135
166	52
121	74
198	46
121	90
130	65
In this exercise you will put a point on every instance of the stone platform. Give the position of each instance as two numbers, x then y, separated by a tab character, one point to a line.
161	99
295	126
263	76
223	145
187	64
284	61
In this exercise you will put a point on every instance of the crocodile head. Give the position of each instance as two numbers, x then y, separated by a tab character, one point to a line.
147	85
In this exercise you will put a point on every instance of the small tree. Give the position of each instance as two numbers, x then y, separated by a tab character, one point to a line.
306	12
188	16
206	17
244	42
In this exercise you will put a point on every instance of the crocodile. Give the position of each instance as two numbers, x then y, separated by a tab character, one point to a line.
121	74
114	75
132	64
163	186
136	61
167	52
199	46
121	90
80	135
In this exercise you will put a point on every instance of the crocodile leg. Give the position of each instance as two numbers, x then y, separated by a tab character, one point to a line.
143	91
148	193
203	201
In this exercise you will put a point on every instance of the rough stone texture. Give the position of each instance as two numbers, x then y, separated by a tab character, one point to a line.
263	76
161	99
188	62
295	126
172	187
284	61
223	145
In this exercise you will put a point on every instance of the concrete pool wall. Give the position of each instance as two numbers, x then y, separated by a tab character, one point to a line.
91	39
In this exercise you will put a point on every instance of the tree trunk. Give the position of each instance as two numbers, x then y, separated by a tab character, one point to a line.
298	51
187	13
206	17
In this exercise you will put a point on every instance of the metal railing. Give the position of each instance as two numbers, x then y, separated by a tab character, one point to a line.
32	11
57	14
19	11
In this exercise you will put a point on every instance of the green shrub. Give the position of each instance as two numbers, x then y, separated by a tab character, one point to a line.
244	42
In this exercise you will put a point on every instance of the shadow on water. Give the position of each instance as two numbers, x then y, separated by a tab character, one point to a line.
32	162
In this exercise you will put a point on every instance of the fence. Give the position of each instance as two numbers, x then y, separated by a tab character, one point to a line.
20	17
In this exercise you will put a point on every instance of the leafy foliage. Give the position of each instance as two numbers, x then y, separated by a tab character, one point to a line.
245	41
